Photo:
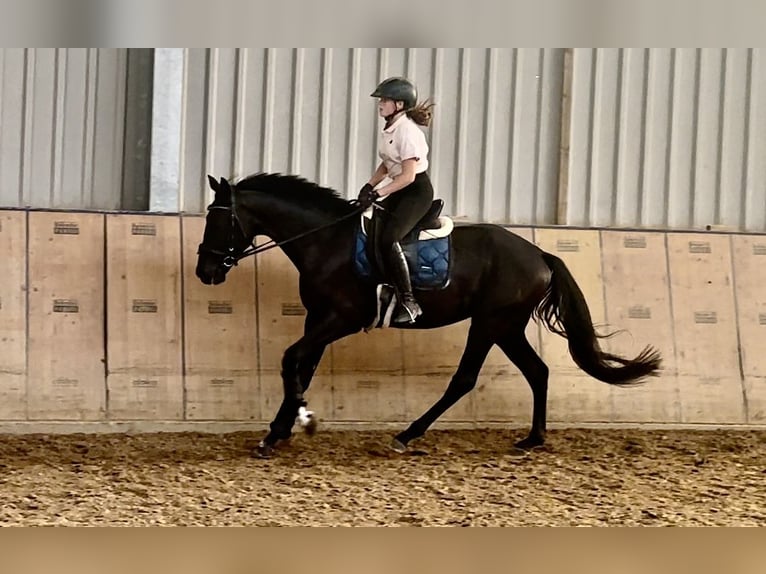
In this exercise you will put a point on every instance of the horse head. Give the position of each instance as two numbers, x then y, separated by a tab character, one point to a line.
224	237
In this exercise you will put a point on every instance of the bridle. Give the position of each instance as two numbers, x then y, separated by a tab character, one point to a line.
231	259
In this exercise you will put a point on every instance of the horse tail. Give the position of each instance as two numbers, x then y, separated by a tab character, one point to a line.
564	311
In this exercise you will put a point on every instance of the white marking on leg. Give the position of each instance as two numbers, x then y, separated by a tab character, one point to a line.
304	416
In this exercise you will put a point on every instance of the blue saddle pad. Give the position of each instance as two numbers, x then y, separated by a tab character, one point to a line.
428	260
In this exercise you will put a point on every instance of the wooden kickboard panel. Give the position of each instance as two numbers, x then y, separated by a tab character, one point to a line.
429	352
145	396
367	376
574	396
145	369
222	397
755	389
502	393
749	258
704	322
749	254
13	313
711	400
66	378
637	298
374	396
281	318
703	304
378	350
220	338
503	396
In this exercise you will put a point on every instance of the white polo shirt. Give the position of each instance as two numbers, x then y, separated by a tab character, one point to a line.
402	140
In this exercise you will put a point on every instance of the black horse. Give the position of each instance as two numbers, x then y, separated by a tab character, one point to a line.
497	279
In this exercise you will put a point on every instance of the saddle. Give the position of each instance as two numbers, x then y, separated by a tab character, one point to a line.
427	248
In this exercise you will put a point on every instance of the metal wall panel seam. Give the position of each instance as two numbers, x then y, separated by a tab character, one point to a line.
90	108
57	149
27	129
587	213
436	130
183	147
489	134
640	213
352	131
746	145
240	111
538	135
565	139
756	210
268	109
512	139
112	196
325	98
382	74
695	134
719	158
462	132
669	138
297	110
211	127
618	134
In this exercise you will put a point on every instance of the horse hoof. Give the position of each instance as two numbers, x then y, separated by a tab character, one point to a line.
398	446
263	450
528	444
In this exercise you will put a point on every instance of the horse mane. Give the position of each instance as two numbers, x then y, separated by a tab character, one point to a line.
296	189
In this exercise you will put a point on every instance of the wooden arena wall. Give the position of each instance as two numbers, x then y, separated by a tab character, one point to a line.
102	319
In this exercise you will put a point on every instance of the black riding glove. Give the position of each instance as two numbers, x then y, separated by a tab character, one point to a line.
367	196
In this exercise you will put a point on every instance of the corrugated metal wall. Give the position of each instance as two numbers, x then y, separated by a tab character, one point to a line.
494	140
62	122
668	138
662	138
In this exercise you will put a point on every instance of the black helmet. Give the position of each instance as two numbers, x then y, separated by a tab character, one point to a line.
397	89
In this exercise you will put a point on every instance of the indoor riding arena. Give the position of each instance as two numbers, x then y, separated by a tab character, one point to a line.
133	394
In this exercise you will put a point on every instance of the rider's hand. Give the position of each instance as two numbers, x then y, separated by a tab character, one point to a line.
367	196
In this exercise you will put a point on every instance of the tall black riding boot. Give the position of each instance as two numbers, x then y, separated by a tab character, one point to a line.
409	309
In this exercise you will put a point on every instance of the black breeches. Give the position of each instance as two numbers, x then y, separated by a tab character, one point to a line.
404	209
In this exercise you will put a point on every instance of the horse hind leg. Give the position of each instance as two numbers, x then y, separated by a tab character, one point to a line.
535	371
477	347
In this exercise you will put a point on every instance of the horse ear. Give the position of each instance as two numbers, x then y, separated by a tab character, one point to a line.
213	183
225	185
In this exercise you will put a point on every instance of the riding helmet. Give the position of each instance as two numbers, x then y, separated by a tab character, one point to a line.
397	89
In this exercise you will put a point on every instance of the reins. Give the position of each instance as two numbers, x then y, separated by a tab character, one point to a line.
230	259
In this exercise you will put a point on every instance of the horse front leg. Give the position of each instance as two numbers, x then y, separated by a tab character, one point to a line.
296	378
299	363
